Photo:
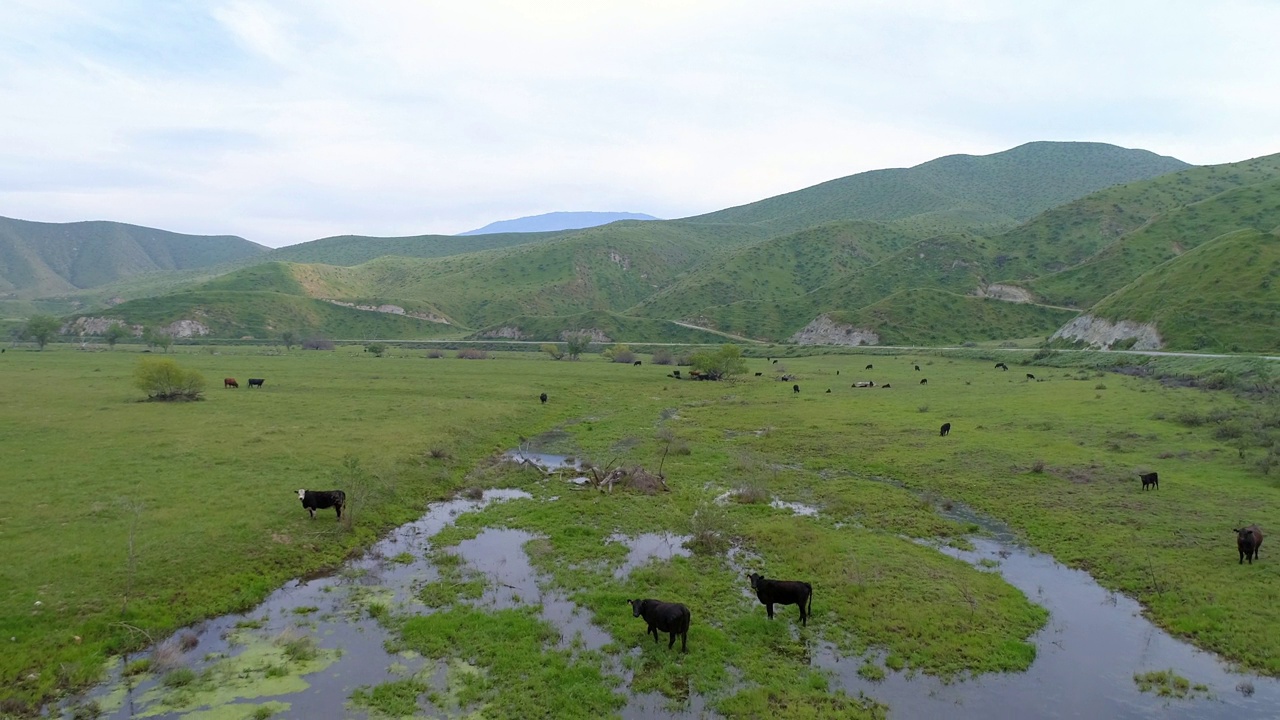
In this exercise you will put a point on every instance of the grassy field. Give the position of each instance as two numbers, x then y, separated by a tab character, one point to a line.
123	517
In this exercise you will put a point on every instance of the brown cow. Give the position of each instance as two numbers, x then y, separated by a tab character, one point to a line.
1248	542
229	383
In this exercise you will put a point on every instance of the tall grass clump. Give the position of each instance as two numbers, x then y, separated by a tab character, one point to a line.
472	354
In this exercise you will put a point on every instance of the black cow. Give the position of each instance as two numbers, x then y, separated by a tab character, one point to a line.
256	382
886	386
635	364
867	367
783	592
675	374
828	390
314	500
1030	376
1152	479
668	617
1002	366
759	374
837	372
1248	542
946	428
924	381
795	388
917	368
543	398
775	362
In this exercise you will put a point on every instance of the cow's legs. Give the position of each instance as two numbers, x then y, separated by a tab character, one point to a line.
672	642
769	607
684	641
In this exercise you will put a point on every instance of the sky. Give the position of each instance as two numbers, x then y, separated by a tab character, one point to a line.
288	121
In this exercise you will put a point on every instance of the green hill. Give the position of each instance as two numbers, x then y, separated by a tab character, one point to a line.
264	314
48	259
348	250
776	269
935	317
1167	236
1070	235
1222	296
958	192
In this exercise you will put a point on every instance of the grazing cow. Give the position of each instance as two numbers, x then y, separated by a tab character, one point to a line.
543	398
229	383
917	368
867	383
1249	542
635	364
1002	366
759	374
775	362
314	500
1030	376
837	372
924	381
675	374
256	382
886	386
1152	479
946	429
668	617
795	389
828	389
783	592
867	367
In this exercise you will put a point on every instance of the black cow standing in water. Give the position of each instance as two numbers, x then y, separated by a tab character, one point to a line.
667	617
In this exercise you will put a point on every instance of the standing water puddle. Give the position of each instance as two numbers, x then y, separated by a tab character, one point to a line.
1086	656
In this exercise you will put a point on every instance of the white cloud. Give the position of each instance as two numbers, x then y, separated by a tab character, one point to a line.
286	121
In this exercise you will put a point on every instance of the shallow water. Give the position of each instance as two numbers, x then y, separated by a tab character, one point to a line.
1086	656
649	546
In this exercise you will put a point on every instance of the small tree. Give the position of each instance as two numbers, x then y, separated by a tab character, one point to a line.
377	349
164	379
723	363
115	334
619	353
553	350
289	338
40	329
576	344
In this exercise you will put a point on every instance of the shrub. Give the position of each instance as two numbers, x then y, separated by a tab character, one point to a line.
1037	466
619	354
378	349
553	350
663	356
751	494
472	354
317	343
709	529
435	353
164	379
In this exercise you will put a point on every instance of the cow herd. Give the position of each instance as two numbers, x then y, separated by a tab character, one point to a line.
231	383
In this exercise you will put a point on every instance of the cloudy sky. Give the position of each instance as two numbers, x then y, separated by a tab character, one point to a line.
288	121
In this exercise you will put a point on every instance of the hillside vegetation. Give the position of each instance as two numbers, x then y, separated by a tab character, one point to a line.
935	317
1221	296
601	324
44	259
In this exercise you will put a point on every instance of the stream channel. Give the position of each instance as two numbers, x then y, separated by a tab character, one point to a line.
1086	655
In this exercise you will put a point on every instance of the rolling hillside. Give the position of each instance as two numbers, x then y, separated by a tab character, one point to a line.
935	317
1223	296
48	259
603	325
958	192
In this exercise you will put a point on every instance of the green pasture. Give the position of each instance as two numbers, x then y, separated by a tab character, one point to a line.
126	520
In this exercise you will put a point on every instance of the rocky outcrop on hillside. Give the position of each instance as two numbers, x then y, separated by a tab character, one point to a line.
99	325
1009	293
506	332
395	310
825	331
1104	334
186	328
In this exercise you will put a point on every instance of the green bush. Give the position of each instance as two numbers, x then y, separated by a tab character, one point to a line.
164	379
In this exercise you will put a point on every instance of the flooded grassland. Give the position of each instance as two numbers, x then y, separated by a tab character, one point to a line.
507	597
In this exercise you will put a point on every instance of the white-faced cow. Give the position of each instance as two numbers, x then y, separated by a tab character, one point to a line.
313	500
783	592
667	617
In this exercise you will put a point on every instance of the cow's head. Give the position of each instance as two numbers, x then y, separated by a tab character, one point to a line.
755	579
1244	534
302	494
635	607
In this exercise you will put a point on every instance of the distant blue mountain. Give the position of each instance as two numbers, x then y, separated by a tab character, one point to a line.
557	221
